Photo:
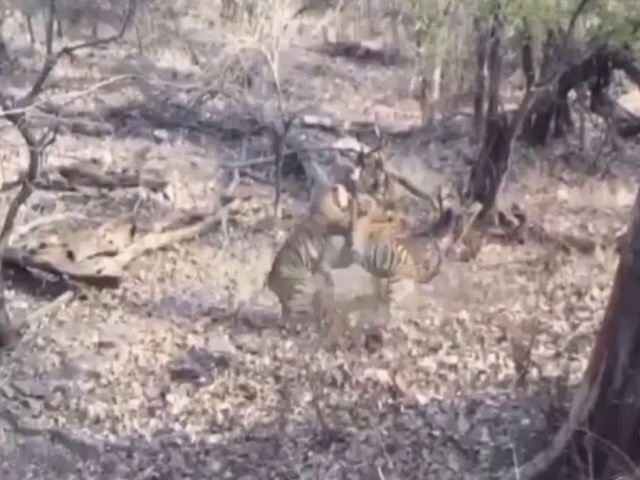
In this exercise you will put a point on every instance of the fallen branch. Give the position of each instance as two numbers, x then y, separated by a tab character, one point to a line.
565	242
363	50
55	261
48	308
70	177
408	185
368	127
157	240
66	98
14	111
23	230
101	261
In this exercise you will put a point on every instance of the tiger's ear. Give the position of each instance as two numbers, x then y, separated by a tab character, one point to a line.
340	196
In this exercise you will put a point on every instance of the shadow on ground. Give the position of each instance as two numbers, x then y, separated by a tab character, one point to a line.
379	437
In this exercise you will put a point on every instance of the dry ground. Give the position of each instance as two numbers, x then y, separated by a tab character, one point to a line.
182	372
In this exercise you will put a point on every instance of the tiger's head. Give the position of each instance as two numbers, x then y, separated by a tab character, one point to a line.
333	206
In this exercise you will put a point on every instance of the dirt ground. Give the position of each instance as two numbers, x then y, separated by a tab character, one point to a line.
183	372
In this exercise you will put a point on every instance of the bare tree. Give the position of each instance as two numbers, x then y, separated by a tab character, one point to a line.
15	110
609	446
605	413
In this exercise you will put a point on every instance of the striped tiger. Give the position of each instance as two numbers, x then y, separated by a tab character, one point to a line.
394	255
383	223
299	271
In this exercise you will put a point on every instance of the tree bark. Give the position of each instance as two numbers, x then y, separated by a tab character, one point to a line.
491	163
553	114
493	156
526	53
528	67
494	63
604	420
611	444
481	74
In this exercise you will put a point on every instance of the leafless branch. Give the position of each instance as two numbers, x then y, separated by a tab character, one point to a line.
574	17
67	98
15	111
52	59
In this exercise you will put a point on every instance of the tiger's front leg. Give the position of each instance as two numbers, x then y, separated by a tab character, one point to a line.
338	254
321	269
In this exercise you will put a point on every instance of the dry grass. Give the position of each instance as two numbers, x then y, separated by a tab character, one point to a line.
183	373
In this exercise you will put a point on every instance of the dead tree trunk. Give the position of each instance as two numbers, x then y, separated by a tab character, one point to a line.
611	445
604	420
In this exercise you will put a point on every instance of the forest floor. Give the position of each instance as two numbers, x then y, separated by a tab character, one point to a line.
182	371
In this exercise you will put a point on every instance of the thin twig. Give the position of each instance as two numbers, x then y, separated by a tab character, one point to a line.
58	302
66	98
27	228
52	60
15	112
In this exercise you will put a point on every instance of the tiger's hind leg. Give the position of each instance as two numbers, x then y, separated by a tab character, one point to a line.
401	297
380	297
332	320
297	302
307	294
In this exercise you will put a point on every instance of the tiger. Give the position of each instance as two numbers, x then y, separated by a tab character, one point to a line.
384	223
299	271
396	256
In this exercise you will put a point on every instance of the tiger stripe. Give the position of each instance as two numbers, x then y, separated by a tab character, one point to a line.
396	258
299	271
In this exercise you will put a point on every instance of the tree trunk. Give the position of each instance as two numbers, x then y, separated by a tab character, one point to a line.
481	74
604	420
611	444
5	59
494	63
526	53
528	67
555	115
8	335
436	84
493	157
491	163
552	114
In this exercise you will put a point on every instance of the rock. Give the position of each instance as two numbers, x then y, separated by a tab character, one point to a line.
220	345
160	135
186	373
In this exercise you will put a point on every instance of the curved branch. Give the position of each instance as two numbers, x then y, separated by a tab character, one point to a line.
574	17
